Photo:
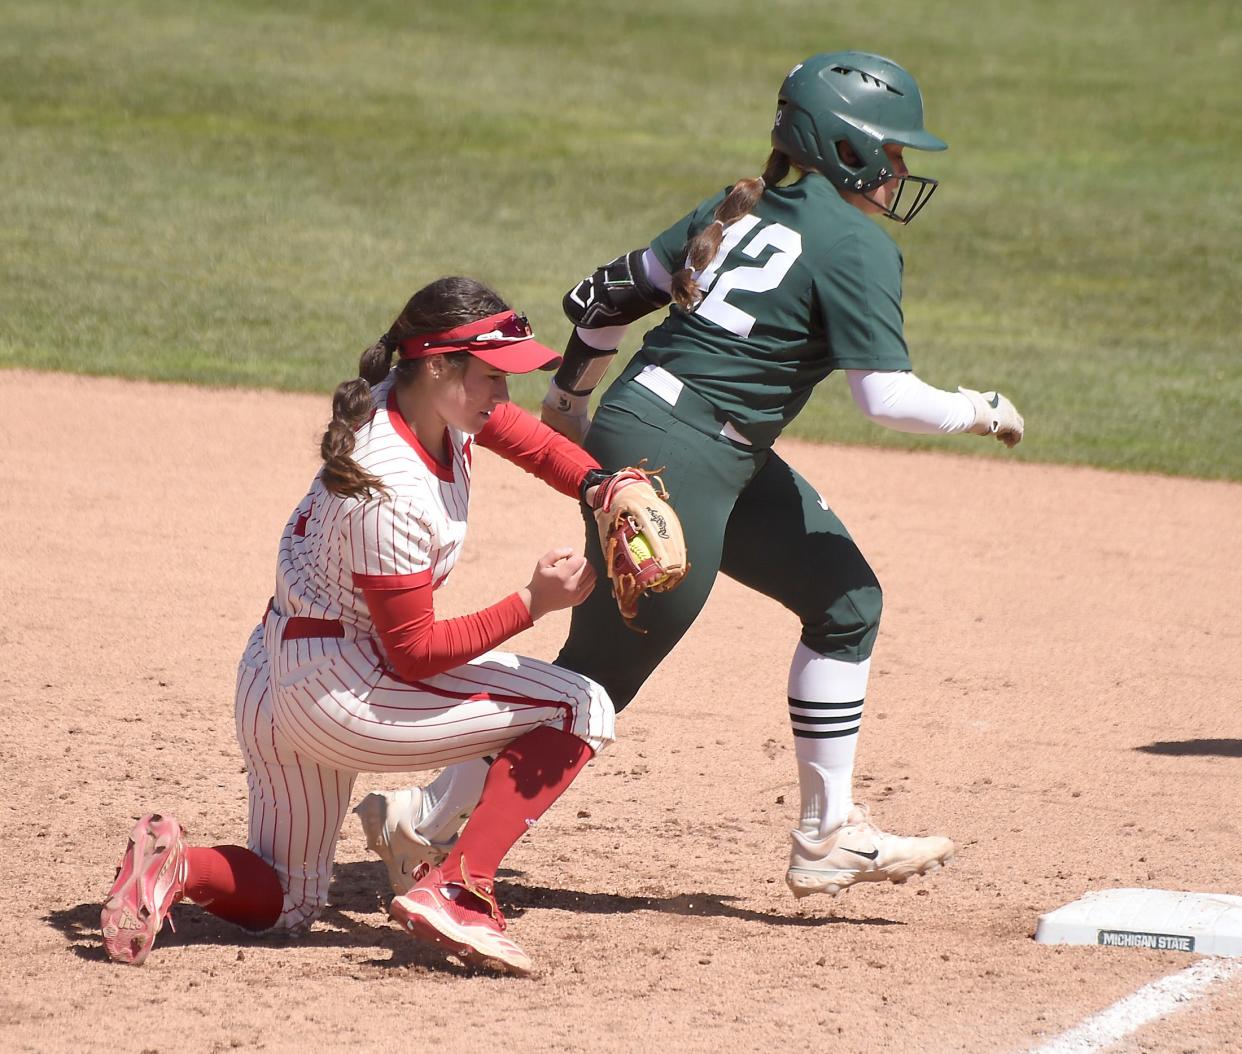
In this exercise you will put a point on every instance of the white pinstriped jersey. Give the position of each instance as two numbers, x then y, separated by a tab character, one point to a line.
418	528
314	711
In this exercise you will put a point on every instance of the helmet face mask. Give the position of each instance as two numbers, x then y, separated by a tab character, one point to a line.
866	101
924	188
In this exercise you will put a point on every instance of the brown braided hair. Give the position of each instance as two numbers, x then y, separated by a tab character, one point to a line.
442	304
702	248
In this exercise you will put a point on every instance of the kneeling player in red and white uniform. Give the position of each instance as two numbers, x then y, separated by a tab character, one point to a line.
350	671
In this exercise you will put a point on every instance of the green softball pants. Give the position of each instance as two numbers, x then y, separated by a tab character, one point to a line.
746	514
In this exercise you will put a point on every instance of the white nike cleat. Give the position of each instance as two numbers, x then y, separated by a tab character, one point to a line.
390	821
858	851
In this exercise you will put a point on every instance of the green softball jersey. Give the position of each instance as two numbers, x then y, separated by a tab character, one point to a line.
803	285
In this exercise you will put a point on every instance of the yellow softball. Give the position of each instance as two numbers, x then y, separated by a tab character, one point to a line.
639	549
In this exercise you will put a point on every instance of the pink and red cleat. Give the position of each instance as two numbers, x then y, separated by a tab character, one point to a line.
461	916
149	881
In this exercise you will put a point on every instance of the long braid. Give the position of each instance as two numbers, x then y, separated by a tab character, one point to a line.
702	248
352	405
442	304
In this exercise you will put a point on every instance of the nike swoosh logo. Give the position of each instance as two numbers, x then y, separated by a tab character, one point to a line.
866	856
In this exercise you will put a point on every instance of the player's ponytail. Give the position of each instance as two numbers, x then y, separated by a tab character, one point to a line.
342	475
702	248
445	303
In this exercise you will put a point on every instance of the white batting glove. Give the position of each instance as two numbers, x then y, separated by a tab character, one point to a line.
565	413
994	415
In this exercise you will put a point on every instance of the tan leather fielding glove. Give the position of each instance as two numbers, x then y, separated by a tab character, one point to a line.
640	535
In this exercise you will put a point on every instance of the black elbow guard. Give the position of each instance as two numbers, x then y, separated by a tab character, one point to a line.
615	295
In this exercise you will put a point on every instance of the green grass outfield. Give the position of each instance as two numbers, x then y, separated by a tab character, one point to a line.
244	193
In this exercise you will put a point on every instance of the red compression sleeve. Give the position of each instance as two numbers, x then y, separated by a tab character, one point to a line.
234	884
523	782
530	444
417	645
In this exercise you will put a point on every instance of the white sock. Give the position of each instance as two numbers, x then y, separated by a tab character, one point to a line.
825	709
451	797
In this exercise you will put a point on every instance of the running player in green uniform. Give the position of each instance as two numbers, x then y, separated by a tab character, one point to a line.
775	283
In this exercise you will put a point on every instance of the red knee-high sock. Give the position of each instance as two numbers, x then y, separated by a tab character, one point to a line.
525	779
234	884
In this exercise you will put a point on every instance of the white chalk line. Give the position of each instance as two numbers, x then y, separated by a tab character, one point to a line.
1148	1003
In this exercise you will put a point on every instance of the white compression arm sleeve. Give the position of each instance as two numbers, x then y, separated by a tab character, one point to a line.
608	338
899	400
657	275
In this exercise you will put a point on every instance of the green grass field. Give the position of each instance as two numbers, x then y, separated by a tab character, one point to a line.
244	193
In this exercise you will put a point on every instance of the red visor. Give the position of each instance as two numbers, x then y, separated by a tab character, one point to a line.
505	341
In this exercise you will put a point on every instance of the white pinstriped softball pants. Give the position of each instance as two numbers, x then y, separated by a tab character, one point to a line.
314	712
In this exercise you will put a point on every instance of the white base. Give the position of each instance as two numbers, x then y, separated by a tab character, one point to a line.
1160	919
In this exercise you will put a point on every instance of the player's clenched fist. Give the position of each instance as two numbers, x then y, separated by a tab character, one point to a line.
562	579
995	415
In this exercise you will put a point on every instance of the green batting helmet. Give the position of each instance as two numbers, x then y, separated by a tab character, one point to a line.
863	99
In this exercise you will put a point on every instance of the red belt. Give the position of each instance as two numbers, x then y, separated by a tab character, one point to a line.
298	628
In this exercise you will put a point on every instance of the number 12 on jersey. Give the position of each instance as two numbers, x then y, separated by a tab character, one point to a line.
756	278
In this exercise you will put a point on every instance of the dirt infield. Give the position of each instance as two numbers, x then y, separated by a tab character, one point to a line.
1057	687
